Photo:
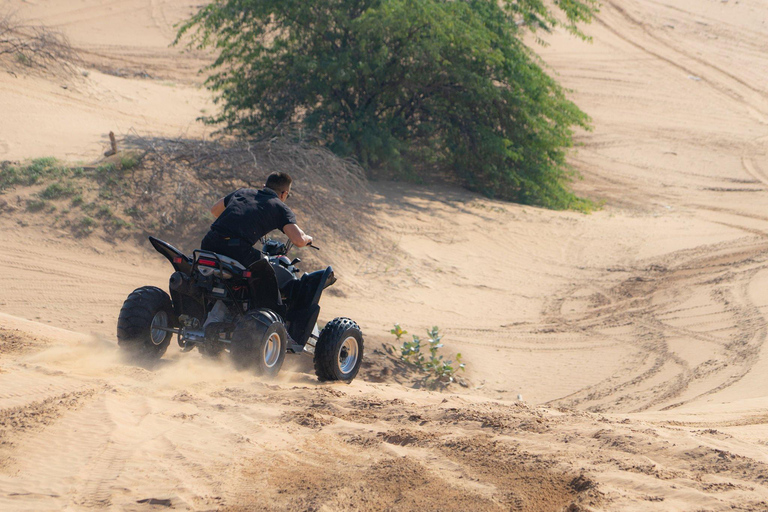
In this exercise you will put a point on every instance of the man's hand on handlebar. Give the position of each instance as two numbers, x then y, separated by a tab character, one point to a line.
311	244
296	235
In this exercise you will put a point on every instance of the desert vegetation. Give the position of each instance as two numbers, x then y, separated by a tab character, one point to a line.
34	47
165	187
409	88
81	198
437	371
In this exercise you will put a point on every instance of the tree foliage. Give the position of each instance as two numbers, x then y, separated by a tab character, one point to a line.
409	86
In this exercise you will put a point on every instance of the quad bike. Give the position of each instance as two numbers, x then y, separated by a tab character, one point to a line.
267	310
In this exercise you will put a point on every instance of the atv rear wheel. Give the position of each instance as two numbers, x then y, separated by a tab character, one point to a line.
140	326
259	341
339	351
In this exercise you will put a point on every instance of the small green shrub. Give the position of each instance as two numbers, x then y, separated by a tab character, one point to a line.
398	332
77	200
57	190
438	370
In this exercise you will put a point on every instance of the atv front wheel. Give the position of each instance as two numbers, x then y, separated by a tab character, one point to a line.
339	351
140	327
259	341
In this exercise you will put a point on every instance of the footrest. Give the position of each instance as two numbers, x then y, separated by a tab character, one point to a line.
293	347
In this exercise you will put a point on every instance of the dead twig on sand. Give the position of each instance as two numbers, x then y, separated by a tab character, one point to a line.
34	47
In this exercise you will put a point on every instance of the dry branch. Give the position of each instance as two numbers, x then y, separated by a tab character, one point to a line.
34	47
179	179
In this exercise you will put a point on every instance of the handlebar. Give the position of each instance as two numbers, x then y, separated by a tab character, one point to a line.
280	248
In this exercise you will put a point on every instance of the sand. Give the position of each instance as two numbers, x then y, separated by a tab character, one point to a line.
614	360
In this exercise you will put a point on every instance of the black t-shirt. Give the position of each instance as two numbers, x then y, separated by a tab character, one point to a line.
250	214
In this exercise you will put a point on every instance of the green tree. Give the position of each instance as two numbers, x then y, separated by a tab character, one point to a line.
408	86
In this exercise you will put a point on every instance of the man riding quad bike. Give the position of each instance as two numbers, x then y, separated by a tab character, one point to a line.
229	295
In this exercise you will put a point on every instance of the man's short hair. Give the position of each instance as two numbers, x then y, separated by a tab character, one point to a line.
279	182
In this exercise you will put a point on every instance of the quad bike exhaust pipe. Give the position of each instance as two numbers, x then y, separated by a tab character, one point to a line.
179	282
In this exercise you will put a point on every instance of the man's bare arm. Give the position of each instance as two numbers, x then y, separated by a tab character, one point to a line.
296	235
218	208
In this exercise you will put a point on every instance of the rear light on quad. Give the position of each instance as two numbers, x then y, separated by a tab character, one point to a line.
177	259
207	263
247	273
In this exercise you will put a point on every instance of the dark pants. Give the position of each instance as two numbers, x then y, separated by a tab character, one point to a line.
236	248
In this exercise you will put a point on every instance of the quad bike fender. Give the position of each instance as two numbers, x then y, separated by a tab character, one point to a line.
325	279
171	253
263	287
303	314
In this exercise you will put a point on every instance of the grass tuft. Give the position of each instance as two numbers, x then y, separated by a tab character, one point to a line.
57	190
104	211
105	169
85	226
128	162
40	168
36	205
118	223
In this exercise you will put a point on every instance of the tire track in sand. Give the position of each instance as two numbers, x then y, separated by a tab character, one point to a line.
752	168
720	79
681	357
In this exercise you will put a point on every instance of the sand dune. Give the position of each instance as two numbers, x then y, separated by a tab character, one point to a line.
129	80
635	335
